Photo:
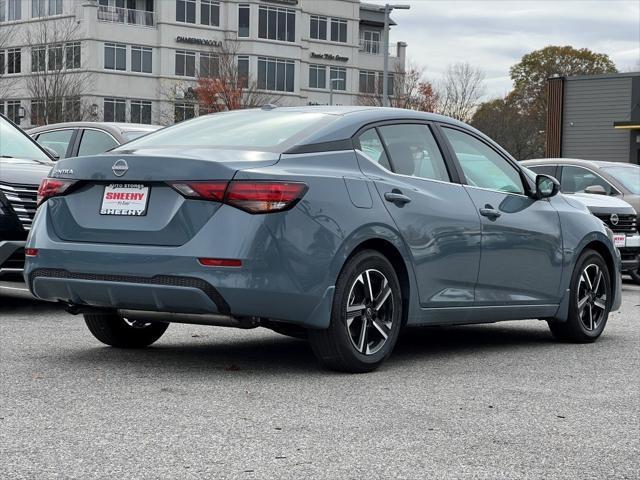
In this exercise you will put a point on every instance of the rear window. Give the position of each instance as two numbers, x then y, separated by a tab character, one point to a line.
247	129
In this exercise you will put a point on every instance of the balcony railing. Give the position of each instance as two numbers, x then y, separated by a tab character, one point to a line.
127	16
374	47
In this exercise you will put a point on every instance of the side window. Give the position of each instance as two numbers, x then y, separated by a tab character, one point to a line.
577	179
543	170
57	141
371	146
482	166
414	151
95	142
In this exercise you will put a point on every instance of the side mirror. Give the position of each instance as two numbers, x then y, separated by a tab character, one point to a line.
51	152
546	186
595	189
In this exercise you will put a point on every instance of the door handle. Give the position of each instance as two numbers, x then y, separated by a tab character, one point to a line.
490	212
396	197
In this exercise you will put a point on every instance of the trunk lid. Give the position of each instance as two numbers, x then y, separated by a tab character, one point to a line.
169	219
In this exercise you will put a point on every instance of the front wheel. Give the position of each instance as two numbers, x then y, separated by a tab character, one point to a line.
590	301
366	316
116	331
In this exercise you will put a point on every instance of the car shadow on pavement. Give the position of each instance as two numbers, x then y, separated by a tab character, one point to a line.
273	353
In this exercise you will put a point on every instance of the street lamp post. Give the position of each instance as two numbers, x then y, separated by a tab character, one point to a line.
385	49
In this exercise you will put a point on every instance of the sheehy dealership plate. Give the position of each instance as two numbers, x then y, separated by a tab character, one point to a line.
620	240
125	200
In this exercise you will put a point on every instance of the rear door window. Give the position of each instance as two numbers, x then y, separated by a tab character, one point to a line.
94	141
58	141
414	151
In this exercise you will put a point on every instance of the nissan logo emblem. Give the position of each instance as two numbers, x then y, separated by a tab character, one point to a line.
120	168
614	219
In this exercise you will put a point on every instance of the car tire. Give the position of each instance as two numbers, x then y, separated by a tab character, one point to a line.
359	341
590	301
635	276
112	329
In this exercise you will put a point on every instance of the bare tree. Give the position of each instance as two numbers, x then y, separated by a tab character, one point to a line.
57	82
461	90
7	82
409	90
223	84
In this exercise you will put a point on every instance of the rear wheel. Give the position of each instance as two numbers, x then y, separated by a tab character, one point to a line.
116	331
366	316
590	301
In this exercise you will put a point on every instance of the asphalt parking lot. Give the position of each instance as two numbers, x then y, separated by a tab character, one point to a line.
501	401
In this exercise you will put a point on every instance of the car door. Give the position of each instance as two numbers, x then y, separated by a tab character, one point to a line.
434	215
521	261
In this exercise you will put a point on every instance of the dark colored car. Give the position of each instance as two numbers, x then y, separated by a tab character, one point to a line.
612	179
23	165
76	139
340	224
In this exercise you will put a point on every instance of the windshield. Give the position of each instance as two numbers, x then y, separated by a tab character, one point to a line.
253	129
627	175
15	144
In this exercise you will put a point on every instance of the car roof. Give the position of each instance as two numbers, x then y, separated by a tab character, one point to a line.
112	127
573	161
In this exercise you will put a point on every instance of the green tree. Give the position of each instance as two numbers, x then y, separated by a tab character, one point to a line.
502	120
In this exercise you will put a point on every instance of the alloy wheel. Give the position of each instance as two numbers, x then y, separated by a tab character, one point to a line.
592	297
369	312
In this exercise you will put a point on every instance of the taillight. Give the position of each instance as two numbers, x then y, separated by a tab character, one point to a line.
53	187
264	197
252	196
30	252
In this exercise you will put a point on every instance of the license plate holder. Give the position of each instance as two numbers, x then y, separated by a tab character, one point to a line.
125	199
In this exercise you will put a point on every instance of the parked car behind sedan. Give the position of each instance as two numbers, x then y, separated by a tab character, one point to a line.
23	165
277	217
76	139
612	179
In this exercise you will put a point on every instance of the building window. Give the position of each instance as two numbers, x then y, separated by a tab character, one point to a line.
72	109
14	11
338	30
73	58
141	59
55	7
339	74
115	56
13	111
370	42
276	23
56	58
243	71
186	11
2	57
14	60
115	110
209	65
185	63
317	76
37	112
367	81
244	20
38	59
140	111
318	27
275	74
184	111
210	13
38	9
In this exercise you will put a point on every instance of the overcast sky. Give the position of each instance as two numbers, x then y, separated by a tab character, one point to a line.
494	34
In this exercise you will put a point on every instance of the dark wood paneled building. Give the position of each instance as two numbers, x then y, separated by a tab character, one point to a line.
594	117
